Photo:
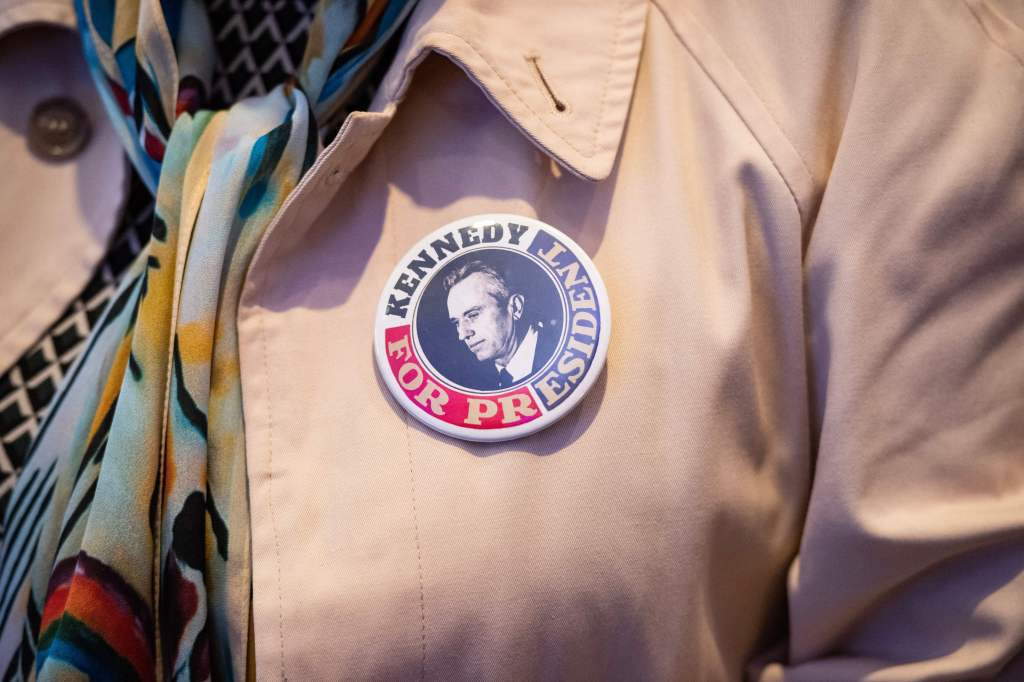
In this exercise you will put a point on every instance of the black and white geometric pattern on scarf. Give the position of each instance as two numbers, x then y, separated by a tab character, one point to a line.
259	44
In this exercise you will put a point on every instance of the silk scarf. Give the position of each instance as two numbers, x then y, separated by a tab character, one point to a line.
127	553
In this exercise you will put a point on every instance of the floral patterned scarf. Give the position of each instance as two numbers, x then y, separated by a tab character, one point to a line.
127	554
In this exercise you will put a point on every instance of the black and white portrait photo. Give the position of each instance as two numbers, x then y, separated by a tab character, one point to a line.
490	320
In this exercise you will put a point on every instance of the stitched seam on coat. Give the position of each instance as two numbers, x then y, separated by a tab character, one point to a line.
270	484
419	554
385	158
768	154
739	73
988	33
267	249
608	75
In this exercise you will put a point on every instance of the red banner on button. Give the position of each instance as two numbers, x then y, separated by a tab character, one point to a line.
490	411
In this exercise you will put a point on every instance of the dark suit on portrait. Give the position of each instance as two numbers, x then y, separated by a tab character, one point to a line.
547	336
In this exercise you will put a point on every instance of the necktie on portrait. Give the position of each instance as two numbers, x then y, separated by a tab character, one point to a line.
504	378
128	550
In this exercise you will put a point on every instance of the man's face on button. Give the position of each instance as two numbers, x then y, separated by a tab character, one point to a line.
483	324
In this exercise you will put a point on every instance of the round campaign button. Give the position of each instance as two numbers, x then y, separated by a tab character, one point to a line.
492	327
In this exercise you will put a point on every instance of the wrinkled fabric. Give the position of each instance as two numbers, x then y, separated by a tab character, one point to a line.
802	461
812	391
139	536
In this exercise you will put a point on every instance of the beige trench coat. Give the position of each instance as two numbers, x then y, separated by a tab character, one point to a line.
805	457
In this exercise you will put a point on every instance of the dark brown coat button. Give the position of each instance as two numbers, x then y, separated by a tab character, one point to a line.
58	130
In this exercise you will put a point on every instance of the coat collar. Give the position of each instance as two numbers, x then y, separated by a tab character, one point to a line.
15	14
562	71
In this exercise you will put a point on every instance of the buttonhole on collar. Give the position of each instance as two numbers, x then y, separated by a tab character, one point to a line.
333	177
560	106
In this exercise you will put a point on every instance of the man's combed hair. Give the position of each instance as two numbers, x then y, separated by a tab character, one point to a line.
499	285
